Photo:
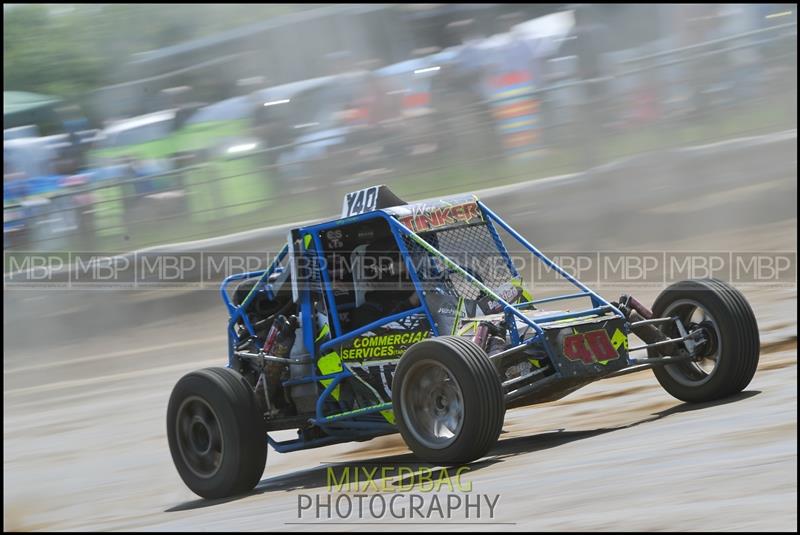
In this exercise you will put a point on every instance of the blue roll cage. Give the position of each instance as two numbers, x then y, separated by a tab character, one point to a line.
345	425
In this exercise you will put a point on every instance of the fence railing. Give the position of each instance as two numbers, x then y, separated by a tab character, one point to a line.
576	124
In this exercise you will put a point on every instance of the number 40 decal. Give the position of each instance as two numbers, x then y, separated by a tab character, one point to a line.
589	347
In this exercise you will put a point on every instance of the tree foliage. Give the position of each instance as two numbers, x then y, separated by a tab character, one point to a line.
68	50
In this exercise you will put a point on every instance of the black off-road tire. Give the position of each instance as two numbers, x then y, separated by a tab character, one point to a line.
738	345
237	457
482	399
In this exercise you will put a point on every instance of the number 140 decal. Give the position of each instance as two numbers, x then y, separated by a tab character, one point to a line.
589	347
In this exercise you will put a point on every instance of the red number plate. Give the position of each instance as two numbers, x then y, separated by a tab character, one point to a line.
589	347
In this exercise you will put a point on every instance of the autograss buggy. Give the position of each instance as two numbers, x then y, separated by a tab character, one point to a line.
413	318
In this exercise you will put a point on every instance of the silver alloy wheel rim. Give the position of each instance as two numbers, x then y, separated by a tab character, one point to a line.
199	437
695	372
432	404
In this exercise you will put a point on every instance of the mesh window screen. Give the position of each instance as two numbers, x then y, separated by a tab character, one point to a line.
472	248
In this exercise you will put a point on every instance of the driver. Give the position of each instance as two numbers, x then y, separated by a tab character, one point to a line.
386	287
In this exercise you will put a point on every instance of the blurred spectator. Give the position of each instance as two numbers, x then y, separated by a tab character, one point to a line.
271	126
469	64
75	123
379	106
700	25
380	112
342	65
591	44
510	86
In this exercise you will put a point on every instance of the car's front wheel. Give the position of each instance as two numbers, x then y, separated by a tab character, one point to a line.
727	360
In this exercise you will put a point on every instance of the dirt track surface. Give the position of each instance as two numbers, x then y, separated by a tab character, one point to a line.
84	412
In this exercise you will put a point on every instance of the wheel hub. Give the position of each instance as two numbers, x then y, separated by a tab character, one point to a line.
699	370
434	404
199	437
709	334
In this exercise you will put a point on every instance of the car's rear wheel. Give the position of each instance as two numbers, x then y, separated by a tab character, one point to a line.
216	433
727	361
448	400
